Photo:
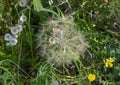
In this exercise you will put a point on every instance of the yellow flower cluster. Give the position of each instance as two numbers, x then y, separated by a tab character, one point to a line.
91	77
109	62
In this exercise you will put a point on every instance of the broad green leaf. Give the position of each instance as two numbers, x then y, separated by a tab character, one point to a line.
37	5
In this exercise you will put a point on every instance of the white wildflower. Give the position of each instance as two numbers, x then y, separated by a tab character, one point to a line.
7	36
14	31
13	41
23	18
22	3
19	28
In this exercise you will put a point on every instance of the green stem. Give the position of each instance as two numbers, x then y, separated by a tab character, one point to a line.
30	34
19	57
13	53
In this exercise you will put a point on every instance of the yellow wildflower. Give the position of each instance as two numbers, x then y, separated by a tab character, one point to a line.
91	77
109	62
111	59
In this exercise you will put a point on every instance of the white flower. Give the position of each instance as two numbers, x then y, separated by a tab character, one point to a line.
14	31
23	18
13	41
22	3
19	28
7	36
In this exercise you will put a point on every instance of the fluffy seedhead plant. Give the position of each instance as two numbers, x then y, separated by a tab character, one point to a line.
60	42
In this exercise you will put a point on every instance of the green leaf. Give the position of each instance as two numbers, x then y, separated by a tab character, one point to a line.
117	83
104	52
37	5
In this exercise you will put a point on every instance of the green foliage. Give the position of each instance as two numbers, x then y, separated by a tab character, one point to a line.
114	8
37	5
44	75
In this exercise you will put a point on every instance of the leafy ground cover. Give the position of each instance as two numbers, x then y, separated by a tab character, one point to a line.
59	42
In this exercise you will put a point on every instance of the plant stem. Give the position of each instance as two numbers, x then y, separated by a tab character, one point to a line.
30	34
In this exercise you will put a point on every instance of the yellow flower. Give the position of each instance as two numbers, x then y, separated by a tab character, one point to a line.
109	62
91	77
